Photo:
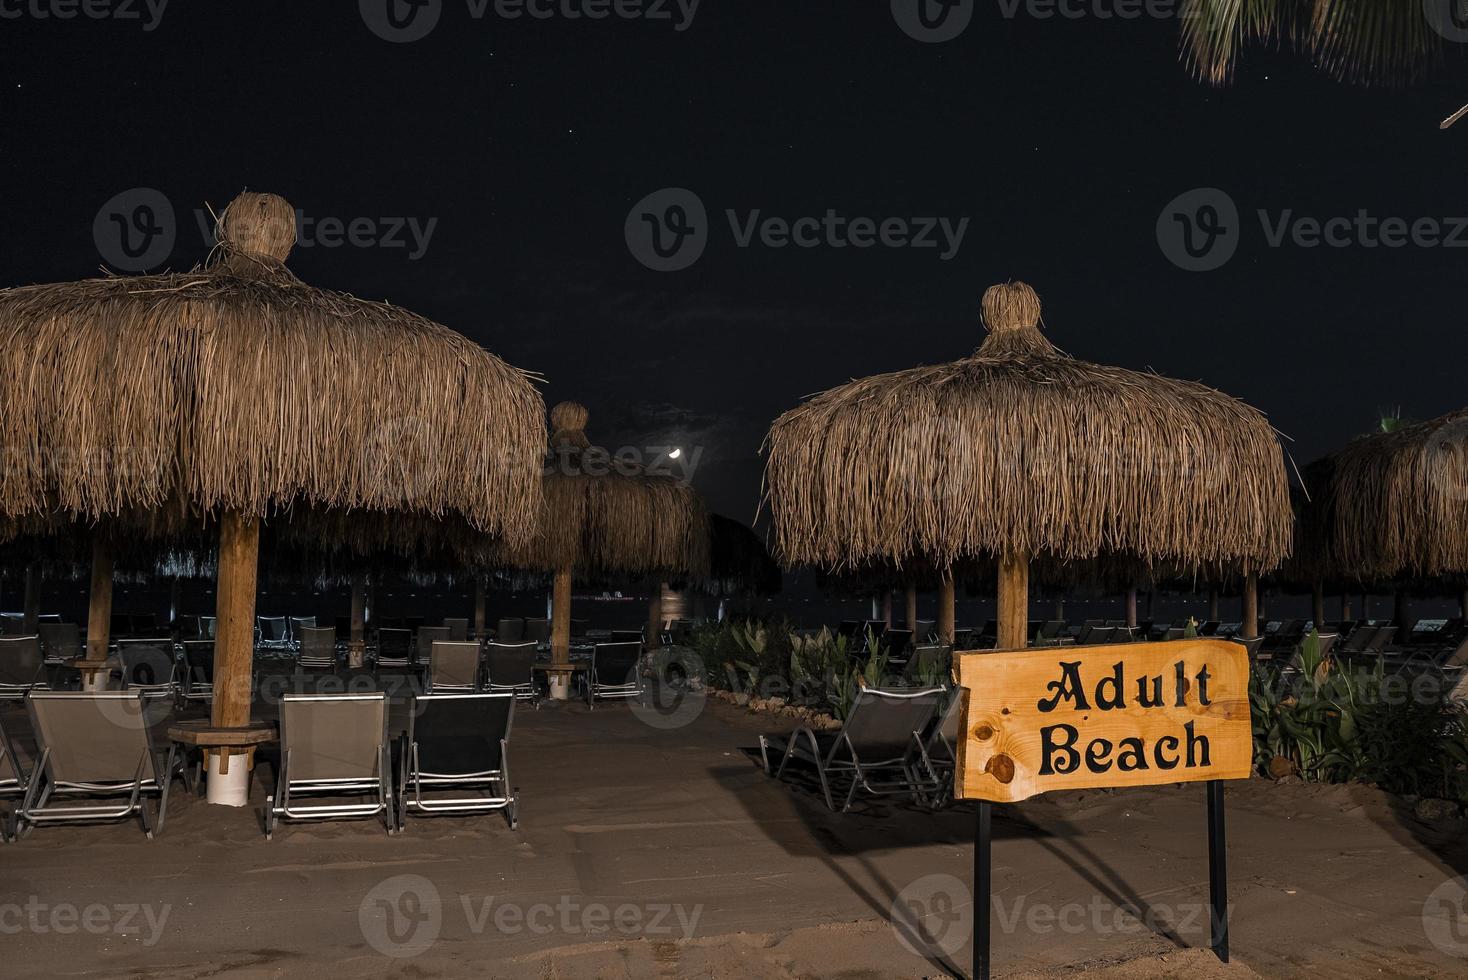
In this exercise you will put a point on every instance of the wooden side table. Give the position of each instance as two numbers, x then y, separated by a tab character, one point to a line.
223	742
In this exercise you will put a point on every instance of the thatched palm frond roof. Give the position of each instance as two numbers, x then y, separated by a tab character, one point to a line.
1020	448
603	513
238	386
1391	505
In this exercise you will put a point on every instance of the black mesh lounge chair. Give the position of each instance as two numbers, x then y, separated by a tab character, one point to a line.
60	642
880	746
896	643
510	630
930	660
1358	640
394	649
274	633
196	680
456	756
207	627
424	640
332	745
453	665
1252	647
148	667
511	669
537	630
316	648
458	629
616	672
940	748
97	747
22	668
298	623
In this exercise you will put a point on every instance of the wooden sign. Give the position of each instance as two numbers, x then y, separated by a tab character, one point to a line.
1137	714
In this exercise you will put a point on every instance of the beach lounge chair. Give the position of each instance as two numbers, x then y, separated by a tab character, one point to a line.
273	633
896	643
424	640
458	629
879	747
316	648
510	630
965	639
196	680
537	630
394	649
148	667
60	642
458	744
207	627
1358	640
928	660
511	669
13	775
1252	647
332	745
22	667
453	665
940	748
616	672
298	623
97	747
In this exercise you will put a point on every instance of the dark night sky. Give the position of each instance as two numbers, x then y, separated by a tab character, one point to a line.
529	141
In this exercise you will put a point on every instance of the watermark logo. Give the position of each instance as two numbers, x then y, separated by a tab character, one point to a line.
135	230
148	13
668	229
401	917
674	696
933	916
932	21
400	21
144	921
1445	917
1449	18
1199	230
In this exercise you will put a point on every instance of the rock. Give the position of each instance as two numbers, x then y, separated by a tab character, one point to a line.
1436	811
1281	766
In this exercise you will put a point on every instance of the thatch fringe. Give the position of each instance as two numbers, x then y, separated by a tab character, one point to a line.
238	386
602	513
1020	448
1391	505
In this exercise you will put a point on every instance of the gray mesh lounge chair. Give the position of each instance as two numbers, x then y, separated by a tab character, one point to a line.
60	642
196	681
148	667
882	736
97	746
274	633
510	630
453	665
458	629
940	748
458	744
316	649
616	672
13	776
394	649
511	669
332	745
206	627
22	668
928	660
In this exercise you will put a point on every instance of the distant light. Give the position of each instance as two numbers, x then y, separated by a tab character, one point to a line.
675	453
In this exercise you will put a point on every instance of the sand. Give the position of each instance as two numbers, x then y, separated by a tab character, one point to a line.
656	853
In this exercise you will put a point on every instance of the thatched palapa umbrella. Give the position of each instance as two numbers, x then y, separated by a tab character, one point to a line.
241	390
604	514
1390	508
1020	450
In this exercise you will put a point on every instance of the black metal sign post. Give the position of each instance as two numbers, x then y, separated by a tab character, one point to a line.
981	891
1217	880
1217	872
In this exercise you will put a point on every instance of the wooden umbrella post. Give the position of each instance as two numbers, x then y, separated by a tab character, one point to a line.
234	648
1346	615
1014	601
887	608
1402	613
1463	604
1213	605
1131	607
1317	606
99	607
945	608
1250	611
32	607
912	610
481	625
654	613
559	676
357	644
